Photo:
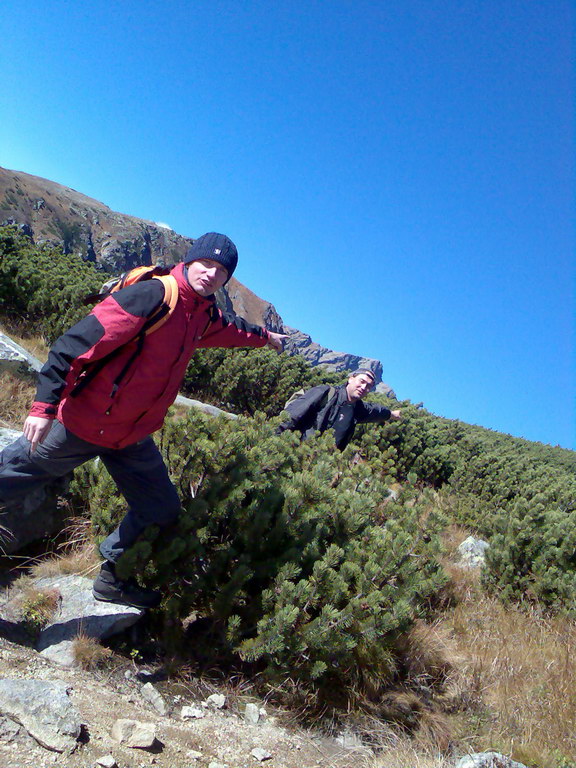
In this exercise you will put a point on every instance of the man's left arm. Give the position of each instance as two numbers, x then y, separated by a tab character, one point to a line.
374	413
233	331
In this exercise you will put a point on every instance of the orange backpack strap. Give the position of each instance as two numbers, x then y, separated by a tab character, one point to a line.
165	309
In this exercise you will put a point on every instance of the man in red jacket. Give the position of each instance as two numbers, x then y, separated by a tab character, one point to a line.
106	387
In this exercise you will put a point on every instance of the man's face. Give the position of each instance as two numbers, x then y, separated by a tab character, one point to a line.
206	276
359	386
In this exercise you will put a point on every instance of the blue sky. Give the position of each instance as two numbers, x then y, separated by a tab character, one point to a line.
398	177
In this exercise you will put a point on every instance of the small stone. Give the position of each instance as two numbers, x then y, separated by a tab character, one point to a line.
106	762
216	700
192	754
189	713
134	734
217	765
153	697
261	754
251	713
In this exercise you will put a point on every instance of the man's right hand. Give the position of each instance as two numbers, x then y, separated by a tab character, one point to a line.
36	429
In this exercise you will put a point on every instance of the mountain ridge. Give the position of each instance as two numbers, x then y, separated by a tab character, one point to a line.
54	214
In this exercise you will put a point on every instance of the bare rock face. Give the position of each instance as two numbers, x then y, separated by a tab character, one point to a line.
78	612
60	216
17	360
54	214
34	517
44	709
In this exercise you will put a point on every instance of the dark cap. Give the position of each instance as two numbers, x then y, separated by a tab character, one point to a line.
365	371
216	247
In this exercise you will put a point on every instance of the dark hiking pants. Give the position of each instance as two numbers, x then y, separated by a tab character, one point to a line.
138	470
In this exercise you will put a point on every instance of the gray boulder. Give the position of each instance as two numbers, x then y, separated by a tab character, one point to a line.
16	360
134	734
35	516
8	436
44	709
472	552
211	410
78	612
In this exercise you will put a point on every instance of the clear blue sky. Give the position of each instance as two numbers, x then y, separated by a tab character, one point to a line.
398	177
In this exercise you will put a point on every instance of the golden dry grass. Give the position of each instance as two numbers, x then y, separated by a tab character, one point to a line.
82	561
88	653
525	662
499	678
38	606
16	397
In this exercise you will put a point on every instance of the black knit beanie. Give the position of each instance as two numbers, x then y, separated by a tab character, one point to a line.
216	247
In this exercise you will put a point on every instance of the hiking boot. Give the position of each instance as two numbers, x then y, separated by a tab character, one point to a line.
110	589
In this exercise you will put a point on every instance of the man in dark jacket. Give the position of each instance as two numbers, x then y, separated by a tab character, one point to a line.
340	409
77	416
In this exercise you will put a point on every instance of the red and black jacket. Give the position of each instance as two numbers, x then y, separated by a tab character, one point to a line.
128	397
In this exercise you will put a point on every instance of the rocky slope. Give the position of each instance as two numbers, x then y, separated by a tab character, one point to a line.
52	213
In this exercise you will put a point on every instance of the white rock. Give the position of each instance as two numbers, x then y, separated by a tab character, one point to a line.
251	713
472	553
154	697
217	765
488	760
106	762
192	754
189	713
261	754
134	734
216	700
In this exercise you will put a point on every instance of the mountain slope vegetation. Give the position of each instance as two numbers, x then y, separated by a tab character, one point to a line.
308	569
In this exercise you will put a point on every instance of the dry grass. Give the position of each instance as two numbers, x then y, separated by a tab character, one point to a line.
38	606
16	396
88	653
406	755
487	676
525	662
81	561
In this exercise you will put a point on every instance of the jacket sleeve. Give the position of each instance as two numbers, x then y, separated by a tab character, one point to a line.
111	324
303	409
371	412
232	331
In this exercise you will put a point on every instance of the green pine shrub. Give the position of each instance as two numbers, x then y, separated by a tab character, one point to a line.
40	287
245	381
292	557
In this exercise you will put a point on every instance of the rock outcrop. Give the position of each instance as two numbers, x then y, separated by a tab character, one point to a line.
44	709
16	360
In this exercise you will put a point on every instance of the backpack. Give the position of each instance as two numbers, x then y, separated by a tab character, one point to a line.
137	275
155	321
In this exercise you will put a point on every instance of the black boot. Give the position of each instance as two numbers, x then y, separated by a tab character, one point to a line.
110	589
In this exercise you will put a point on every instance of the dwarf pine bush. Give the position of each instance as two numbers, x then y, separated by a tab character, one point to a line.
294	556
